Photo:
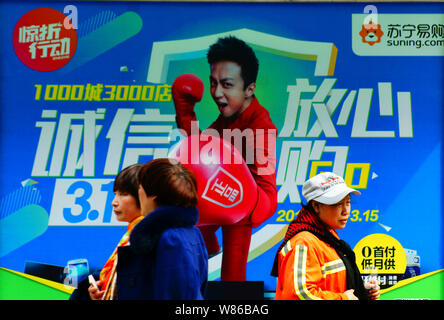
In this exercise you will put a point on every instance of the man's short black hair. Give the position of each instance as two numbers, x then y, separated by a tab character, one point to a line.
236	50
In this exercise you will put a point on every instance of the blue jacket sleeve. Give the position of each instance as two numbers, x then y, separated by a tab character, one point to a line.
181	265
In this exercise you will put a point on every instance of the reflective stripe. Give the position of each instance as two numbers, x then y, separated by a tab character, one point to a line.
286	249
300	262
332	267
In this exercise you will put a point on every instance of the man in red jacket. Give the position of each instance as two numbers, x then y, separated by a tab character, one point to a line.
234	69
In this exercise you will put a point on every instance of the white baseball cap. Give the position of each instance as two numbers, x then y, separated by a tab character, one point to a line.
326	188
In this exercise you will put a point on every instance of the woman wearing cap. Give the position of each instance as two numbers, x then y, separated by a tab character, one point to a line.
312	263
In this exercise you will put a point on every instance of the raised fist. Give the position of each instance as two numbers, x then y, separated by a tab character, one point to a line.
187	89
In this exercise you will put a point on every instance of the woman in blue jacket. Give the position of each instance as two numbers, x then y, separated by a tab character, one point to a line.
167	257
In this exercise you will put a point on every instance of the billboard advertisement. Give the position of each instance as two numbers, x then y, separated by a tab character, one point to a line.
352	88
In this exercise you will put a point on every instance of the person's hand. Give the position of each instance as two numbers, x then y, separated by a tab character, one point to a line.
373	289
94	293
350	294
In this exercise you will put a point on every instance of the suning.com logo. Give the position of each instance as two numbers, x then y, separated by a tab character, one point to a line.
429	35
376	34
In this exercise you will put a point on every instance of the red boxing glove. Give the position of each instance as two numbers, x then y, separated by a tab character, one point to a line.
186	90
227	190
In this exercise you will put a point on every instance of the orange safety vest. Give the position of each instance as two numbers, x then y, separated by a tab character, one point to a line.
310	269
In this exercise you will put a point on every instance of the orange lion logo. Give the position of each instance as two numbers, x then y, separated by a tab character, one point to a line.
371	33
